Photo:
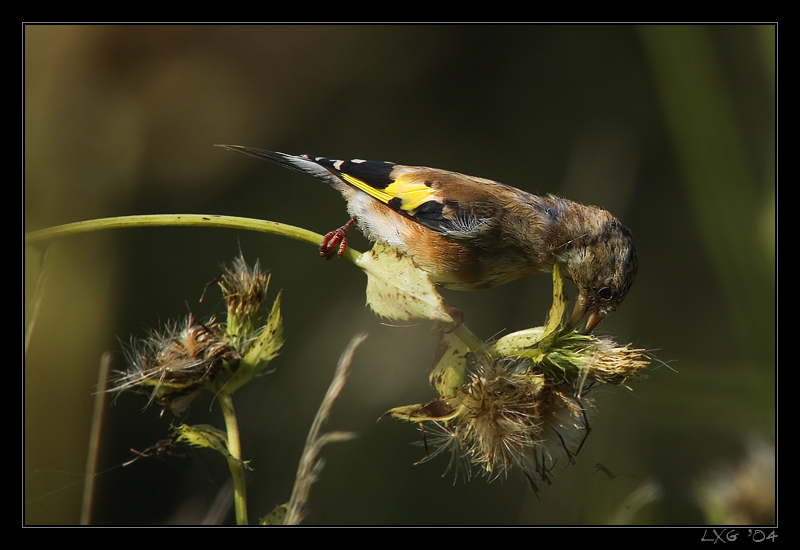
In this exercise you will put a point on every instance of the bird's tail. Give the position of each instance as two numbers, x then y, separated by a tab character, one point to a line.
293	162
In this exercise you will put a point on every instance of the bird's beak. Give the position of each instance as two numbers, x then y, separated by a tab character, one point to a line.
594	319
581	308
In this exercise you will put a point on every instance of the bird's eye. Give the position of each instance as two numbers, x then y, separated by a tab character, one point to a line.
605	293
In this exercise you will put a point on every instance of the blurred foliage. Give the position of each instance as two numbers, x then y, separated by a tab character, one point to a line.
671	128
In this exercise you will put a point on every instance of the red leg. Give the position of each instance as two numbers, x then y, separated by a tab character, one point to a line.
335	239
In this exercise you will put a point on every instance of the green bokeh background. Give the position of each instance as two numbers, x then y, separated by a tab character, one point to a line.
671	128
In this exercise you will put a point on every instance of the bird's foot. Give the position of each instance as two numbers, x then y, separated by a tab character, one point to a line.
336	239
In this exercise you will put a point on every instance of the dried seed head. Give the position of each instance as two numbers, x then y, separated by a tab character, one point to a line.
611	363
524	406
502	417
173	365
509	416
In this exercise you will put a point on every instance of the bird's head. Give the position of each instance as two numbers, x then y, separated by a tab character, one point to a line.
602	263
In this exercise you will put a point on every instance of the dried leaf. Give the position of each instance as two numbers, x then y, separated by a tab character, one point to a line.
399	290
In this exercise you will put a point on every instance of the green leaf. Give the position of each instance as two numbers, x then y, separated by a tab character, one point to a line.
204	435
270	340
263	350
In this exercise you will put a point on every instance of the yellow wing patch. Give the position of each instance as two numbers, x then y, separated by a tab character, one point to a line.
412	194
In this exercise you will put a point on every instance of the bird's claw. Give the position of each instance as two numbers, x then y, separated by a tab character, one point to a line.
336	239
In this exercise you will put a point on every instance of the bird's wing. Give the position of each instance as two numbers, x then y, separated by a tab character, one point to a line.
446	202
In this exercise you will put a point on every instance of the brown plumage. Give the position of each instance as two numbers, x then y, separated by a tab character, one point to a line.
470	233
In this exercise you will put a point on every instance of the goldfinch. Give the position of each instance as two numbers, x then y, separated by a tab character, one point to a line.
470	233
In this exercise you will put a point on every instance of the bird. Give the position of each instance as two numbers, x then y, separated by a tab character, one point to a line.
471	233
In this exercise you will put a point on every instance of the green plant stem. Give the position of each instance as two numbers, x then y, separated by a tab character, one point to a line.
182	220
235	456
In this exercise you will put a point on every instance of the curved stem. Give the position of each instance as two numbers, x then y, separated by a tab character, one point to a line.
195	220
